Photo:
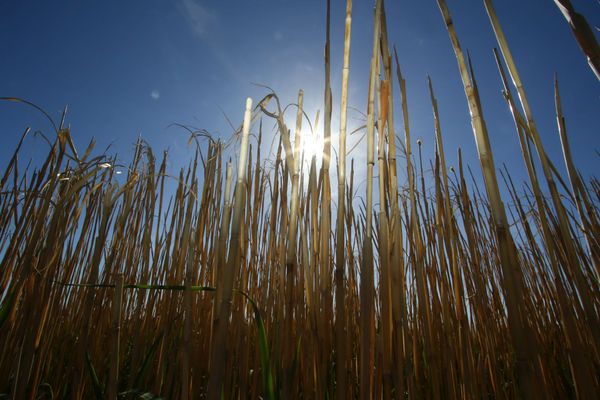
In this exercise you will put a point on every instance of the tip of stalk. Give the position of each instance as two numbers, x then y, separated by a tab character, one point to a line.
249	102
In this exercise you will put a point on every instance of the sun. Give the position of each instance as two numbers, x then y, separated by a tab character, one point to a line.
312	145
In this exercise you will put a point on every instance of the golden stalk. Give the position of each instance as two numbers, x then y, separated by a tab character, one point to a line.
221	323
583	34
581	202
512	276
113	380
571	260
340	259
366	274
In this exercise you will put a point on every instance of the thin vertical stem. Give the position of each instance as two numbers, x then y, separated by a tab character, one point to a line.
113	377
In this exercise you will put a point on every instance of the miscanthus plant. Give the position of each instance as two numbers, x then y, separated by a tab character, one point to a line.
243	285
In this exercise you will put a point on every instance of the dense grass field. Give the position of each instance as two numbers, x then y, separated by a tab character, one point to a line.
258	283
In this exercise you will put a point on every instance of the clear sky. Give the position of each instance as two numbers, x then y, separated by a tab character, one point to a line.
130	68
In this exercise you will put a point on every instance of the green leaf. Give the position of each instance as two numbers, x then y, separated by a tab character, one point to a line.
139	394
296	360
97	386
146	362
268	387
46	389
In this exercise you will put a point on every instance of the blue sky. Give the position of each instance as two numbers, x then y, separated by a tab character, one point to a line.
135	67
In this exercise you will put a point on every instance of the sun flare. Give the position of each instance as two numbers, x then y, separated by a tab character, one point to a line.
312	145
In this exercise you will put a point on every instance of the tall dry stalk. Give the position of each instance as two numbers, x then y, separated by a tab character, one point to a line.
291	257
583	34
340	259
511	273
582	203
221	323
113	377
570	261
367	327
